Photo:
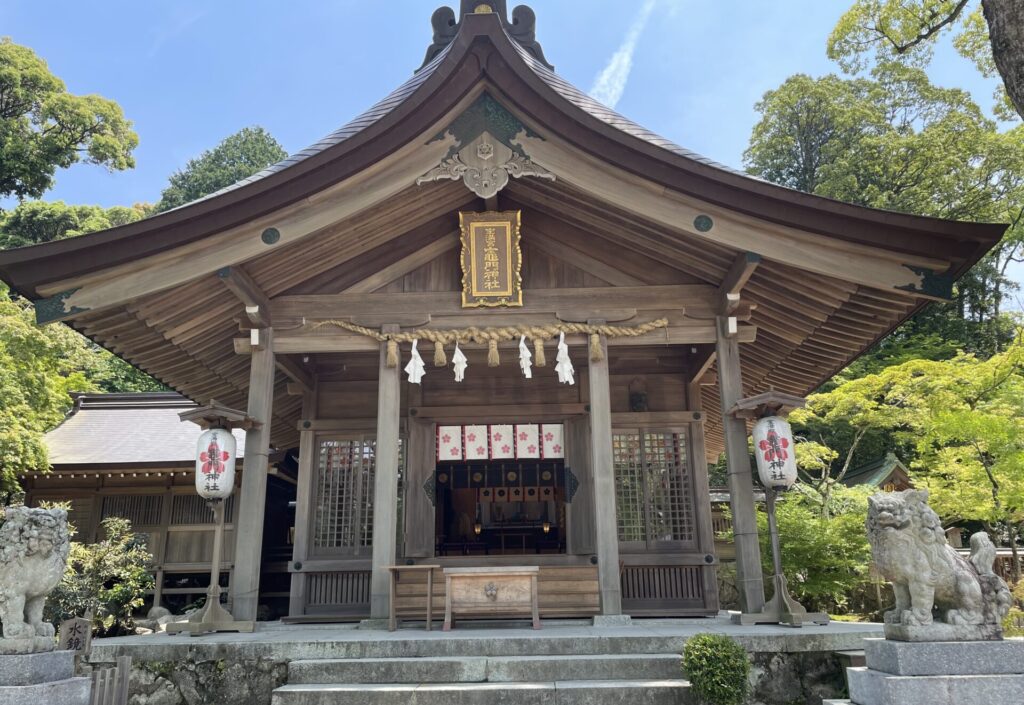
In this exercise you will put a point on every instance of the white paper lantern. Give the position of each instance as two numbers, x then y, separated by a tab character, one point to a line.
773	448
215	464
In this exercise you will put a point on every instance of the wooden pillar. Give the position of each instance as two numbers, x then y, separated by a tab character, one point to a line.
385	490
606	534
245	580
749	578
702	495
303	506
419	509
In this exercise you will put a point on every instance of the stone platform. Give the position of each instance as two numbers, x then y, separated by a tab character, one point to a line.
41	678
566	662
938	673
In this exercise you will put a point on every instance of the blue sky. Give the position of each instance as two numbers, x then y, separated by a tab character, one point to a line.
189	73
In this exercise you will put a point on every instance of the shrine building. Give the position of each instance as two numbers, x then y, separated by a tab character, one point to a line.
587	302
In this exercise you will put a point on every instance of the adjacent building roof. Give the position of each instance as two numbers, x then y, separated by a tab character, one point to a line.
886	470
129	430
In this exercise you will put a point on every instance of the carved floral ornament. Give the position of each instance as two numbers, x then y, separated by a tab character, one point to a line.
486	152
485	166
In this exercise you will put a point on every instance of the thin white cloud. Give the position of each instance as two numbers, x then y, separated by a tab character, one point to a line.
610	84
184	19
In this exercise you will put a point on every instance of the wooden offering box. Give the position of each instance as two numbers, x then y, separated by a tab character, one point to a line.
490	592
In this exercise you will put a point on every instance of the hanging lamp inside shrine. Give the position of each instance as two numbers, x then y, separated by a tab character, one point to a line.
215	463
774	450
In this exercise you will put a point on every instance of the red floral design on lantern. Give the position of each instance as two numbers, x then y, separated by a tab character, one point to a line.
556	448
774	447
523	436
471	437
213	458
505	448
497	436
446	438
531	449
549	436
479	450
455	451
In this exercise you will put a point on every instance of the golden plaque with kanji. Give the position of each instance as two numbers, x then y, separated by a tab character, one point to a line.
491	259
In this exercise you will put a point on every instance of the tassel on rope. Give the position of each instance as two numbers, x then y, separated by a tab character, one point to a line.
440	360
596	351
392	359
493	358
538	353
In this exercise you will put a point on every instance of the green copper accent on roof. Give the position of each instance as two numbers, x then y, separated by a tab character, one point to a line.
932	284
54	309
703	223
485	115
270	236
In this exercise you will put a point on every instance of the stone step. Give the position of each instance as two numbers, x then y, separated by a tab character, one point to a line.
870	687
479	669
32	669
70	691
647	692
432	669
603	667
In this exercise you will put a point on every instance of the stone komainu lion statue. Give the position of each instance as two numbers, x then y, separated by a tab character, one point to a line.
34	545
928	576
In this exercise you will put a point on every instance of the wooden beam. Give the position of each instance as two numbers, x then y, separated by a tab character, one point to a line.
405	265
643	298
296	371
891	270
344	342
117	285
735	279
531	411
239	283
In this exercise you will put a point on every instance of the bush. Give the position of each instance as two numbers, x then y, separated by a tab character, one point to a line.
108	578
717	668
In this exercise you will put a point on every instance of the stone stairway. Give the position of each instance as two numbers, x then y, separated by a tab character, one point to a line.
527	679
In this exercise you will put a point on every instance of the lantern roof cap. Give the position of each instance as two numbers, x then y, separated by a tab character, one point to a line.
771	403
214	415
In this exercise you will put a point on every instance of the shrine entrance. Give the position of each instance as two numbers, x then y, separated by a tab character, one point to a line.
500	490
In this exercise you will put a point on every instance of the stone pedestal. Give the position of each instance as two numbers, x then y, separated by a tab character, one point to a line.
938	673
42	678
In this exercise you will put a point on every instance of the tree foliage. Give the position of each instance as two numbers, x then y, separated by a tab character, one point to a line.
108	578
237	157
896	141
34	222
988	33
44	128
825	555
957	422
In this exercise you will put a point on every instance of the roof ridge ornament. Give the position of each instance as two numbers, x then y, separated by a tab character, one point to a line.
522	27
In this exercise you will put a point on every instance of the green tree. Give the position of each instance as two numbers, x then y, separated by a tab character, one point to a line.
825	555
895	141
44	128
970	440
34	222
108	578
239	156
990	33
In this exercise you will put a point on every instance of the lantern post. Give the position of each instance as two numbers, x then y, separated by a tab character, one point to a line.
776	467
216	453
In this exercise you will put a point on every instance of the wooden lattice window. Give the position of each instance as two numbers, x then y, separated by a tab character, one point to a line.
139	509
653	489
343	507
193	509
